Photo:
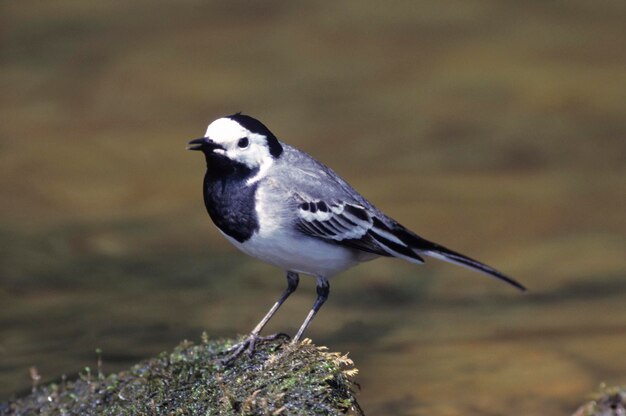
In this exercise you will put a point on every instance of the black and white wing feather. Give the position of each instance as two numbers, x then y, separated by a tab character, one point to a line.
330	209
352	225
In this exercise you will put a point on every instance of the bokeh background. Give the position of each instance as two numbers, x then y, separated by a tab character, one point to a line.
497	128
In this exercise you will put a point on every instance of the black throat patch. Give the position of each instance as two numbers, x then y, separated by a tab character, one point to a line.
228	200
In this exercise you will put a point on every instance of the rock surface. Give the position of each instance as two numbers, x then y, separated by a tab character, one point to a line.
609	402
191	380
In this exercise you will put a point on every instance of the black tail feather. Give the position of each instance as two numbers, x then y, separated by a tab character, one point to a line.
434	250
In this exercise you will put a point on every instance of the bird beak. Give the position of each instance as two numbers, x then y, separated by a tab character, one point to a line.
203	144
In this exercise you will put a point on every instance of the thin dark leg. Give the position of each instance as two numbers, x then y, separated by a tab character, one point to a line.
292	284
323	289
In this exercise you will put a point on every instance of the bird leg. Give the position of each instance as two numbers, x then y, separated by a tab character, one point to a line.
251	340
323	288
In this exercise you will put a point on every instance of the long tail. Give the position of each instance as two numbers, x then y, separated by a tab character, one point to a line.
398	241
438	252
428	248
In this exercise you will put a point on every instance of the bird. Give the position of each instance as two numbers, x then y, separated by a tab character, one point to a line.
280	205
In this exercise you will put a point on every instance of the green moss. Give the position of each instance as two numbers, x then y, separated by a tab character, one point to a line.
279	378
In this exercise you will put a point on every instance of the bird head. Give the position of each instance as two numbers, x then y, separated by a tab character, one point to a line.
238	139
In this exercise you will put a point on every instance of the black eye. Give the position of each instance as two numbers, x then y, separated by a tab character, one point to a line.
243	143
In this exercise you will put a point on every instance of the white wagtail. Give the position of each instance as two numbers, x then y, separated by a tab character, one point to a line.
277	203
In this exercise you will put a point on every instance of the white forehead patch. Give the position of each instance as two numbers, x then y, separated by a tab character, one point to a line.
227	133
224	130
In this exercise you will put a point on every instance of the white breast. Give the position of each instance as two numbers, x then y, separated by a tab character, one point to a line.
278	242
301	254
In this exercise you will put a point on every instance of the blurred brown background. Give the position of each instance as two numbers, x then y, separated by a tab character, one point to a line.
496	128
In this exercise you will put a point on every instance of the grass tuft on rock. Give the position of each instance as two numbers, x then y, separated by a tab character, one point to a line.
279	379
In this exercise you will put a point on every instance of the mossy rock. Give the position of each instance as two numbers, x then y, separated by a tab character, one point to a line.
610	401
279	379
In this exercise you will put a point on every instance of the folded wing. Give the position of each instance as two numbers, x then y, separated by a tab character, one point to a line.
352	225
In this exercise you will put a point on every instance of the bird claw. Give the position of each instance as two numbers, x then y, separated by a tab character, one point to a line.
248	345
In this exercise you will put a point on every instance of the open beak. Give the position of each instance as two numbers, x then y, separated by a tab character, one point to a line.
203	144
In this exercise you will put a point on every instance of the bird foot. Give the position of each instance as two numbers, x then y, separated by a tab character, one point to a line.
248	345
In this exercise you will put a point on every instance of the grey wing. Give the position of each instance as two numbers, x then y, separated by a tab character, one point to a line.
352	225
327	207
